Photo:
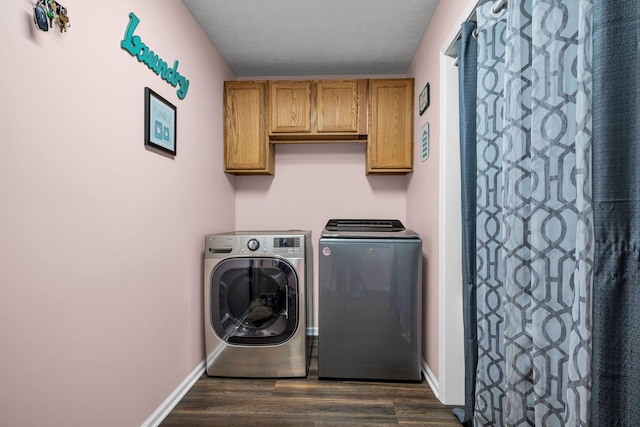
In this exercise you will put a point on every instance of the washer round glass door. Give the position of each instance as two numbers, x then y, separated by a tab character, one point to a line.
254	300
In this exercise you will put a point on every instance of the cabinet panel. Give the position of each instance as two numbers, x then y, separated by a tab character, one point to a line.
290	106
390	147
246	146
337	106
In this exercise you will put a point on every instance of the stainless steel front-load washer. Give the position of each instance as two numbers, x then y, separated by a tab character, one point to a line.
257	303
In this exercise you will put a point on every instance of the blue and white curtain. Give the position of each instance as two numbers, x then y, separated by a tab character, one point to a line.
534	239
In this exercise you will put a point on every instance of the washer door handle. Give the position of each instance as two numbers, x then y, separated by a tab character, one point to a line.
286	302
285	290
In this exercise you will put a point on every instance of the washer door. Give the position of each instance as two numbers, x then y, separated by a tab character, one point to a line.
254	301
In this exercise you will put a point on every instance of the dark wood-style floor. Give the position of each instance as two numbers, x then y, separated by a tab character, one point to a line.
309	402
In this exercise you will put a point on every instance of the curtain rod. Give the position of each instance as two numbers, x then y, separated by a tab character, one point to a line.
497	7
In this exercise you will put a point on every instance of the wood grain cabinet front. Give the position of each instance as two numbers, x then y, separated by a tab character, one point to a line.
290	107
311	111
390	146
338	106
246	144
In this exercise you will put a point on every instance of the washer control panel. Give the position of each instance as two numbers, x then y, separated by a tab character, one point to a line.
227	244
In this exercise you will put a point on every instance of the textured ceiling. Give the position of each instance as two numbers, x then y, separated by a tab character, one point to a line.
321	37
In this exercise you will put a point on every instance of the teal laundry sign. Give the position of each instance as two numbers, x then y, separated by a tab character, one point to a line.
137	48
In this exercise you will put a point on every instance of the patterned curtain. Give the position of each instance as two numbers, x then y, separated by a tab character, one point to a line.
534	227
616	195
490	384
467	48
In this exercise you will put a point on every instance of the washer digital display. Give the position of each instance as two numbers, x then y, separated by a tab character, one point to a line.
286	242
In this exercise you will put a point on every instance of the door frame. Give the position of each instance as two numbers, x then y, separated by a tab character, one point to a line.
451	373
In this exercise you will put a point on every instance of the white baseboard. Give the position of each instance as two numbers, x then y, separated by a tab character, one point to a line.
174	398
431	379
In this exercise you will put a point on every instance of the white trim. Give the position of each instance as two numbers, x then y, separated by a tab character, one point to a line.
174	398
431	379
450	333
450	318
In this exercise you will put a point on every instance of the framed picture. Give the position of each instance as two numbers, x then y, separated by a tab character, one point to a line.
423	99
424	137
160	122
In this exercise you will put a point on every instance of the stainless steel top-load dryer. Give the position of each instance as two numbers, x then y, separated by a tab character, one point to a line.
257	303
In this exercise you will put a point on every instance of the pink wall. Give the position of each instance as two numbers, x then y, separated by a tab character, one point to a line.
422	191
101	240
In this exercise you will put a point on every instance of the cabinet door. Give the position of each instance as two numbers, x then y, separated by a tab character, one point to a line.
337	106
246	146
390	146
290	106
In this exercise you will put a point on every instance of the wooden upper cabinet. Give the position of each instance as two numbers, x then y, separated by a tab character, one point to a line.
290	106
337	106
246	145
390	147
317	111
259	114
